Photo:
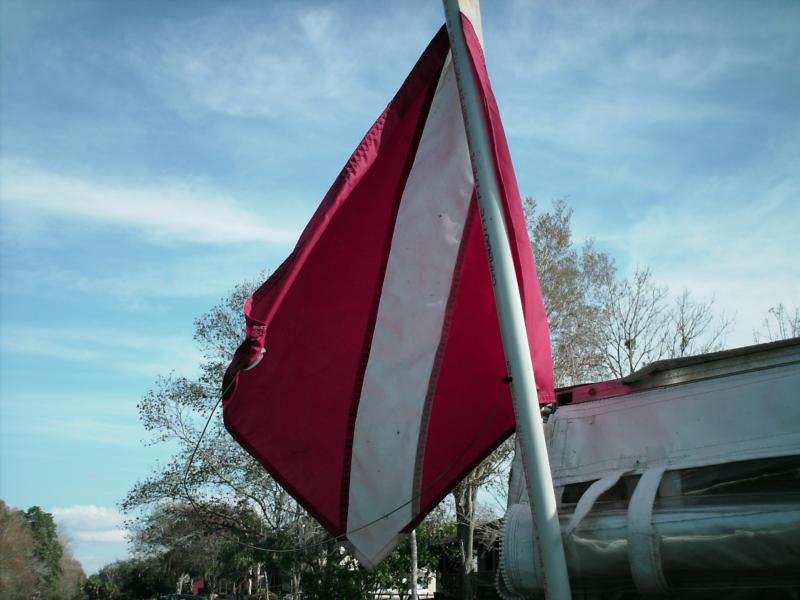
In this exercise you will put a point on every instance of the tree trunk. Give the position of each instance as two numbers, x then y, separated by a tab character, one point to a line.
413	542
465	498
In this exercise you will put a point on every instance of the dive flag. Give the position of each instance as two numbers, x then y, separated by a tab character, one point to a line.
383	380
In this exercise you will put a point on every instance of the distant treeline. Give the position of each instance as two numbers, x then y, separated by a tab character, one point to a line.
34	561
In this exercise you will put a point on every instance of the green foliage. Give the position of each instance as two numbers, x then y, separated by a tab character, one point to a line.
337	575
46	547
131	579
434	543
96	587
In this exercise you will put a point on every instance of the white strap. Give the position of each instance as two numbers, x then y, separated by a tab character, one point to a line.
589	497
644	554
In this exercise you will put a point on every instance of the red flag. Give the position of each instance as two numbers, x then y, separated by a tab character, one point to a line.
198	585
383	380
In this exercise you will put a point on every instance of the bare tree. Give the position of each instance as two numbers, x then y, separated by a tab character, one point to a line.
780	323
465	495
72	574
694	327
640	325
19	573
634	327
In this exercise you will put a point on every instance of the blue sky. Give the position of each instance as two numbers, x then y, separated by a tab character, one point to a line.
155	154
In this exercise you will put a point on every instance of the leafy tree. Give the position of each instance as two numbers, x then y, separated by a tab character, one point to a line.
337	575
221	474
103	586
46	548
224	487
190	546
130	579
183	544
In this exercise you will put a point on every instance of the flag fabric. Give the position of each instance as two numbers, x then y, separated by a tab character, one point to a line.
199	585
383	380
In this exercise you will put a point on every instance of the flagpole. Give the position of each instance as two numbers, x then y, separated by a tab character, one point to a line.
512	320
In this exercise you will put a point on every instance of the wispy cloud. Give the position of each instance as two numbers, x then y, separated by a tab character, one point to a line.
731	237
674	132
253	75
91	431
170	212
112	535
92	419
129	351
294	62
606	80
37	404
202	274
88	517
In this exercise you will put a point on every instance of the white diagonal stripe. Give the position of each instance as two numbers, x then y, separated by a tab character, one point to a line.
425	245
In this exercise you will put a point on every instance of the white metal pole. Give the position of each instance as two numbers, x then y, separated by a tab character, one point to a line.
512	320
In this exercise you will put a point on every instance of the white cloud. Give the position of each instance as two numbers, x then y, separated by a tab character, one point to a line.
110	535
96	533
88	517
171	212
253	75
